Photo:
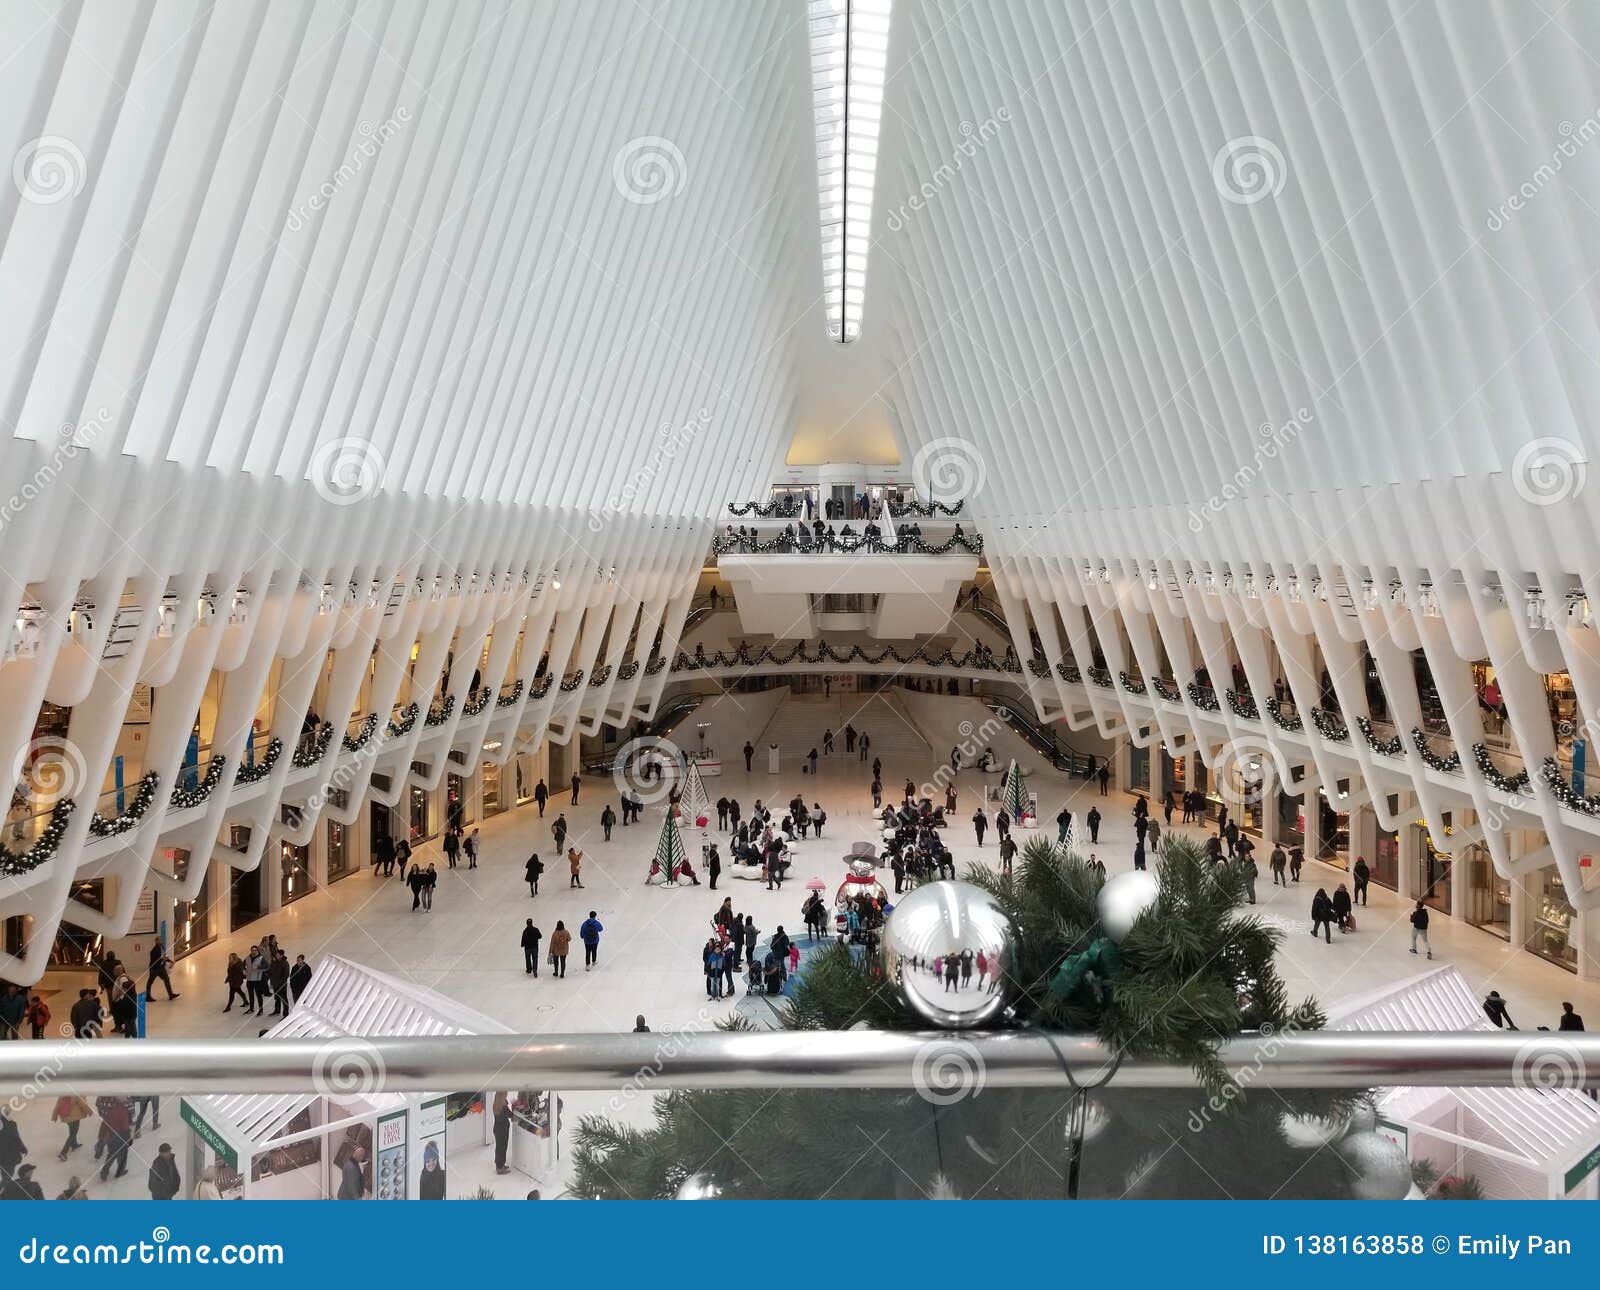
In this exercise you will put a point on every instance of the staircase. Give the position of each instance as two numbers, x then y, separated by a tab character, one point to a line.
797	726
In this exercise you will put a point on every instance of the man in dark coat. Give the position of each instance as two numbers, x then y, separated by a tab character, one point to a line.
531	872
541	794
530	949
164	1180
299	977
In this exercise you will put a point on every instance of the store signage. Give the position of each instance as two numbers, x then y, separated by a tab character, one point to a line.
1583	1169
207	1134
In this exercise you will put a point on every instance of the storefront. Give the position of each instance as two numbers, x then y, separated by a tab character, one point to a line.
489	777
1139	768
192	924
73	943
1385	859
341	854
1488	893
1432	883
421	814
1173	779
457	807
245	903
1550	935
1333	843
294	863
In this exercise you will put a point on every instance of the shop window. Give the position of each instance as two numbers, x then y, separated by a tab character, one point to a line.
1488	894
1551	933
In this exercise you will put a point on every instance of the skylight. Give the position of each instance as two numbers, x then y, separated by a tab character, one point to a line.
849	50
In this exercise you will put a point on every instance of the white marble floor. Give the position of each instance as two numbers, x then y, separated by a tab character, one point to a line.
467	947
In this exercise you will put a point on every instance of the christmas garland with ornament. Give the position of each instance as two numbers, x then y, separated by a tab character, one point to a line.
312	753
103	826
477	703
15	863
1329	725
1291	724
1160	966
571	681
1391	747
1132	684
438	716
1496	777
1243	705
408	718
1069	672
359	740
541	687
260	770
601	675
1166	689
509	699
1100	676
627	671
1450	765
1039	665
1557	783
183	798
1203	697
907	544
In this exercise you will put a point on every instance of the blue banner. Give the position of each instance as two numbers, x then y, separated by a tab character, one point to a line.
1049	1243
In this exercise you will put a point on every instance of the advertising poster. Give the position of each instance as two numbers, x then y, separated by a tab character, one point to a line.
390	1183
428	1166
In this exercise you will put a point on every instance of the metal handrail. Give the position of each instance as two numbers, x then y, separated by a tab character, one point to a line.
781	1059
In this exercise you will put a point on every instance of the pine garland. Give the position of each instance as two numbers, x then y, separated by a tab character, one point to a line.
1196	969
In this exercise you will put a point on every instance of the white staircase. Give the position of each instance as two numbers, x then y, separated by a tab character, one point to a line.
797	726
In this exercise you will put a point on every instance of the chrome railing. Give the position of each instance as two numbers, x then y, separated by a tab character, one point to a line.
793	1059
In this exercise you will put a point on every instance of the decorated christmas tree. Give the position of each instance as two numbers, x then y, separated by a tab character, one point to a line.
1164	965
694	802
1014	793
669	846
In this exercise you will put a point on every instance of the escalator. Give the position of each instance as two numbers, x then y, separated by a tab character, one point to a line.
1067	760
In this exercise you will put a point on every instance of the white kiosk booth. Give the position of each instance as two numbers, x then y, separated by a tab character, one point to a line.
266	1146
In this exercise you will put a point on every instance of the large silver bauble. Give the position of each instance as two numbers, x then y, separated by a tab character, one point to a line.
1123	898
701	1186
1381	1167
943	921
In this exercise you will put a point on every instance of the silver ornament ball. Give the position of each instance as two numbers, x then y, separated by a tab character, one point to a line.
699	1186
1123	898
950	951
1382	1169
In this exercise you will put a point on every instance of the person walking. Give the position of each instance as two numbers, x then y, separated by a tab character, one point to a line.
531	872
1570	1020
233	976
71	1111
1008	851
116	1128
88	1018
1322	916
1277	862
749	755
402	856
1341	909
1419	929
383	855
452	846
713	865
1105	778
1249	872
470	846
541	795
577	783
530	949
558	830
415	882
38	1016
608	817
430	880
1093	821
750	935
1362	875
866	743
160	961
1297	858
164	1180
1494	1007
812	758
575	865
980	824
827	742
1166	809
560	943
1063	826
589	934
278	980
353	1175
1153	835
502	1132
255	976
299	977
877	794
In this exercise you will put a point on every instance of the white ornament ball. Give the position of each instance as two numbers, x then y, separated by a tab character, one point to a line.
1382	1169
1123	898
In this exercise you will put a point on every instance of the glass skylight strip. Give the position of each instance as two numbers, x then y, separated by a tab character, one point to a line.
849	54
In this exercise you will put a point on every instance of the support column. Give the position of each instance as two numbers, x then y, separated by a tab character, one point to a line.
1517	845
1407	878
